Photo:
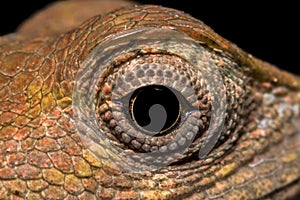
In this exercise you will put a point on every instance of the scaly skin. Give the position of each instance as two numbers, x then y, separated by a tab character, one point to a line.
42	155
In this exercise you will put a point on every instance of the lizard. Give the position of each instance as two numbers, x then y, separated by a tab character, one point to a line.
43	151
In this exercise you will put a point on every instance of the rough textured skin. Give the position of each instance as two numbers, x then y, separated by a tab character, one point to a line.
42	156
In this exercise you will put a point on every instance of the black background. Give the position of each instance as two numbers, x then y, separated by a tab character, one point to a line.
268	31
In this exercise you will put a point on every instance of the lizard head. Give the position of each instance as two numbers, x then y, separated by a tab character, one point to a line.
144	102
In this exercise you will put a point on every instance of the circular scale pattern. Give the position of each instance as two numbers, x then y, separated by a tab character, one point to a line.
210	102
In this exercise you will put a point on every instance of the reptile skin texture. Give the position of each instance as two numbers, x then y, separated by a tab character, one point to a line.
43	154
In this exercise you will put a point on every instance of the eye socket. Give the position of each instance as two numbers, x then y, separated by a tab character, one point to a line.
123	71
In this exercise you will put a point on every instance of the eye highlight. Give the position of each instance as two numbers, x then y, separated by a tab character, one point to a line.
147	98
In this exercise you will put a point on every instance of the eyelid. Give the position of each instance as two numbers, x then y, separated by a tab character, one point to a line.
159	41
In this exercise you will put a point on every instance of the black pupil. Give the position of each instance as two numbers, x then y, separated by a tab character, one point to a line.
155	108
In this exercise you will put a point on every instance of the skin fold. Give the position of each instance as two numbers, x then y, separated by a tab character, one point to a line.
42	155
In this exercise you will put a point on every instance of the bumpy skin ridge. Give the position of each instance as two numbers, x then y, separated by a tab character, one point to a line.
42	156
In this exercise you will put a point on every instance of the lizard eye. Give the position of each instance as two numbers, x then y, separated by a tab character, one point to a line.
153	109
147	98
